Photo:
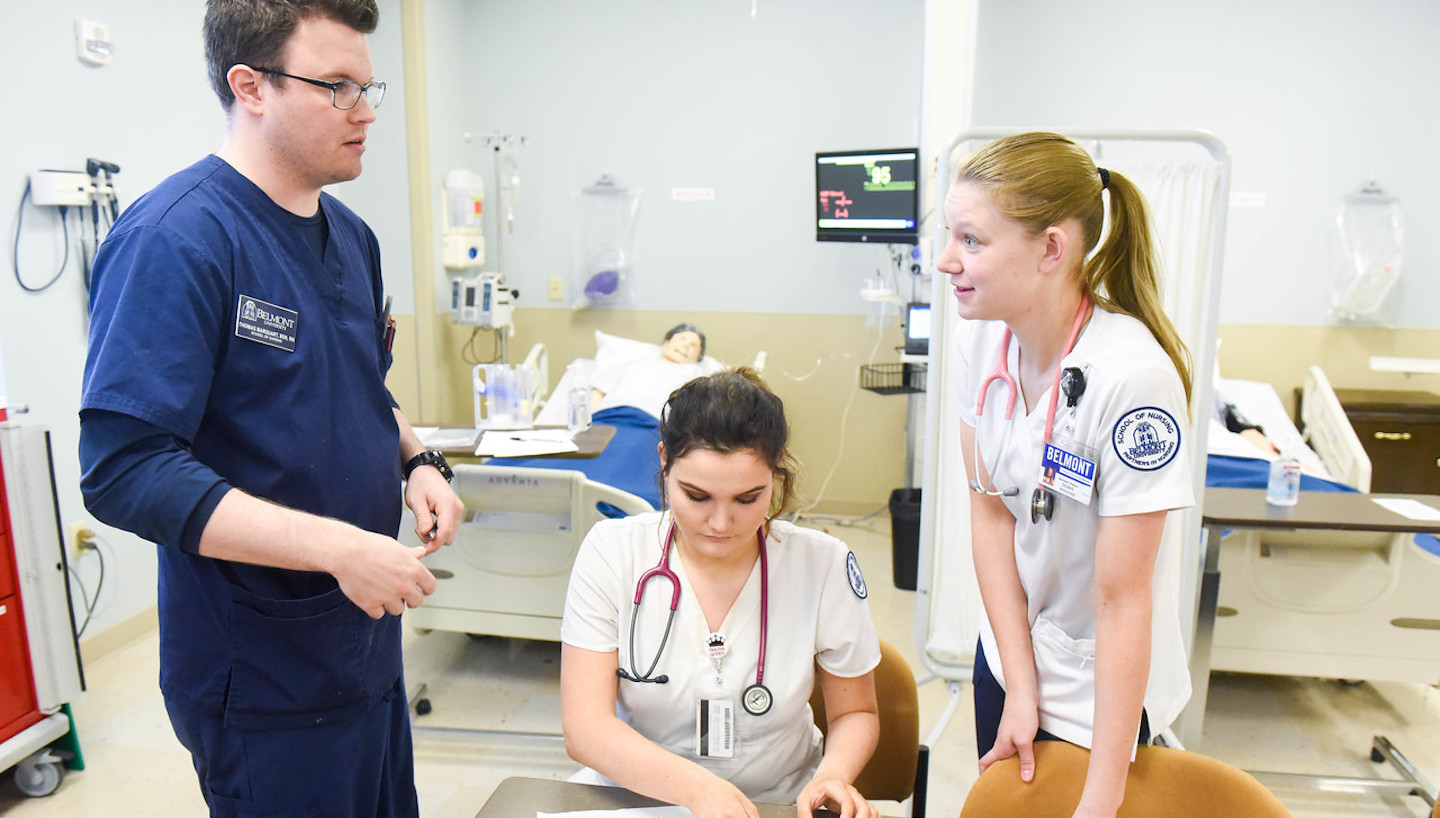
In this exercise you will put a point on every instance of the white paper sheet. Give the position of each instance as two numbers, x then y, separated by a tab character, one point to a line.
1413	509
433	437
526	443
632	812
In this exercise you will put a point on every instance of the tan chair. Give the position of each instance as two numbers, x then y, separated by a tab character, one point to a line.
899	767
1162	782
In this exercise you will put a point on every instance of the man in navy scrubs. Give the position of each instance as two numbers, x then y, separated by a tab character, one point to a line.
235	412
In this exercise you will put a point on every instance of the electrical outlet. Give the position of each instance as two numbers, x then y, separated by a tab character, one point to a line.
81	537
557	288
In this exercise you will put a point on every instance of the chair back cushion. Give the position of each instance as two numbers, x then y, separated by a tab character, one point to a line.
1162	781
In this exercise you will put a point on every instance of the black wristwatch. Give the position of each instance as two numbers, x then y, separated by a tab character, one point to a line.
430	458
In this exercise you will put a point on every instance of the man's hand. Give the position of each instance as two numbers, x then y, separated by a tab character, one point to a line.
382	576
436	507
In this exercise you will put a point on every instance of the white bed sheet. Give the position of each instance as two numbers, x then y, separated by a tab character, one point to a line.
1258	402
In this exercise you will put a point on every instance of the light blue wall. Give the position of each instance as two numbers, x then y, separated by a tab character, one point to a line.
1312	97
152	112
663	94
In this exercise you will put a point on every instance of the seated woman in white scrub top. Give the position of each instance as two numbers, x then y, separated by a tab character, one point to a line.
1074	395
698	694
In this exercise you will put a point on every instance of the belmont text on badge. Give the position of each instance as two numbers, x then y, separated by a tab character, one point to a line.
1146	438
267	323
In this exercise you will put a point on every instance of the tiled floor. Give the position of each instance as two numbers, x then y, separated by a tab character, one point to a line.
135	767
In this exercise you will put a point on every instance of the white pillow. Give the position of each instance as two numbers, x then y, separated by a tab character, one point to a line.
611	350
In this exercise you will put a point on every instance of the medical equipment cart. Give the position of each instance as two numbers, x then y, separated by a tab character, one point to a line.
39	654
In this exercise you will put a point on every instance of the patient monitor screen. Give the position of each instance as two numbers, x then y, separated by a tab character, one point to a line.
867	196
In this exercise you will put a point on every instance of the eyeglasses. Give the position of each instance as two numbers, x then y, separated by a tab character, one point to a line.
344	94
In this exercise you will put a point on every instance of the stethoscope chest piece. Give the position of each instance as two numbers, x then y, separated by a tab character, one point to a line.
1042	504
757	700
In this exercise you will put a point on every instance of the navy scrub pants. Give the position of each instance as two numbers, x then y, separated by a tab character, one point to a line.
357	767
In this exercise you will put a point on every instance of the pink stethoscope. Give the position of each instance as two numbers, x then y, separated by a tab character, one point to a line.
757	698
1042	502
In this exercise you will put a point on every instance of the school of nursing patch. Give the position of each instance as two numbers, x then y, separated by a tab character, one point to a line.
1146	438
857	579
266	323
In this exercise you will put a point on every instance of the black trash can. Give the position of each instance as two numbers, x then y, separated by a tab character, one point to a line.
905	536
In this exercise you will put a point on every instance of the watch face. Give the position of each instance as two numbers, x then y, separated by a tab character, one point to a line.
438	460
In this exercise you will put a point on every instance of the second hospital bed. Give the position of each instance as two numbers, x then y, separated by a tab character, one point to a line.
1330	604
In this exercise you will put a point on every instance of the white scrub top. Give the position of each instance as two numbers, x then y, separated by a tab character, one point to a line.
818	613
1132	416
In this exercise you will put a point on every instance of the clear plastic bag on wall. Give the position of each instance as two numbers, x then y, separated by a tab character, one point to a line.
602	245
1369	246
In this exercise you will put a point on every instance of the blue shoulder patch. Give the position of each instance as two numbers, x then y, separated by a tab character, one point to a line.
1146	439
857	579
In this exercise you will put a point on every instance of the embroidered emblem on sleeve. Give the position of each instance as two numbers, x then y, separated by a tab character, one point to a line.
1146	438
857	580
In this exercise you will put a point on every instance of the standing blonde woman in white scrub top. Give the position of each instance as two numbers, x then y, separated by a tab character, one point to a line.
1081	640
708	706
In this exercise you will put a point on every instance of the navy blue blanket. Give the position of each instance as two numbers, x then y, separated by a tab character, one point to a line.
630	462
1222	471
1226	472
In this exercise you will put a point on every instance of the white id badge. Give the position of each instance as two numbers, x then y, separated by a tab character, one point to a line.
1068	468
715	728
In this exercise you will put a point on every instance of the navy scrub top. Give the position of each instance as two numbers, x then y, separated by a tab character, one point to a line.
214	320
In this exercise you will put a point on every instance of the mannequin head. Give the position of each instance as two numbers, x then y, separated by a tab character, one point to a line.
684	344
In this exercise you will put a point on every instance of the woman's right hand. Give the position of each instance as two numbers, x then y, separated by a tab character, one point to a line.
718	798
1016	736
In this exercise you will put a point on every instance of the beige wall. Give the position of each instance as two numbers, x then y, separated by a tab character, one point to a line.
1280	355
813	363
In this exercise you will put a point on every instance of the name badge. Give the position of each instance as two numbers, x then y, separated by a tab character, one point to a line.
1068	469
266	323
715	728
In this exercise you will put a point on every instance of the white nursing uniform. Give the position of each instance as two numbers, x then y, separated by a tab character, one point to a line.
643	383
1132	417
818	613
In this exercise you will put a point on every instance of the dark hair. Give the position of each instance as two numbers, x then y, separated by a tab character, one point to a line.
1043	179
679	328
727	412
254	32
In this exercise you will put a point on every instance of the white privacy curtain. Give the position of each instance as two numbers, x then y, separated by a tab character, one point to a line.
1185	179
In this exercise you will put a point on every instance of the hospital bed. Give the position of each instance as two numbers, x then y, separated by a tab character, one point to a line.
507	572
1331	604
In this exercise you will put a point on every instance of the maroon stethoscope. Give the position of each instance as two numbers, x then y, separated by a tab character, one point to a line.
757	698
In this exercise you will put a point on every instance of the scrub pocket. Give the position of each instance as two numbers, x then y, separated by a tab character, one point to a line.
294	662
1065	672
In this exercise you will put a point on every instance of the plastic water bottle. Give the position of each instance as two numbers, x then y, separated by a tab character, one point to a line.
578	418
1283	489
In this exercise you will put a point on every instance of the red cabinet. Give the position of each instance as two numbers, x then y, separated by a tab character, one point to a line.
17	688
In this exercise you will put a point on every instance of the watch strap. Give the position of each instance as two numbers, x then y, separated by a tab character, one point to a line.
431	457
